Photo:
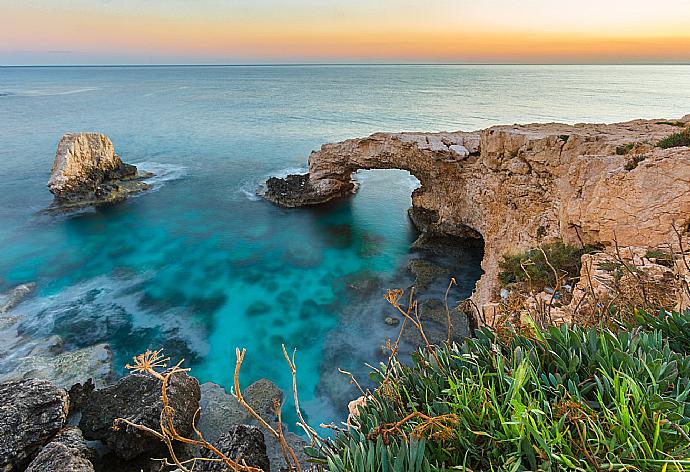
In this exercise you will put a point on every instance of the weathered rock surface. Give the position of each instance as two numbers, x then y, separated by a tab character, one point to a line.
67	452
86	171
137	398
242	443
298	190
31	413
220	412
521	184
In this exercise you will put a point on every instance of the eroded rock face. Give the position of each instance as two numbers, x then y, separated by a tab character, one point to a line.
519	185
137	398
242	443
67	452
87	171
31	413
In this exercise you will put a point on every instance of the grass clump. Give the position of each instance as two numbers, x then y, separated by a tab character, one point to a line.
562	398
536	266
660	257
634	162
680	124
681	138
624	149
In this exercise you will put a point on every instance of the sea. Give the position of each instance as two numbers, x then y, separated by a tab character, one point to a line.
200	265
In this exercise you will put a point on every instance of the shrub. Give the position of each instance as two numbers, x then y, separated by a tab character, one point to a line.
624	149
681	138
564	398
660	257
680	124
634	161
532	267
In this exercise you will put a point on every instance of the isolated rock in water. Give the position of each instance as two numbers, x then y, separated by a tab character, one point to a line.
15	296
87	171
67	452
137	398
296	190
31	412
243	444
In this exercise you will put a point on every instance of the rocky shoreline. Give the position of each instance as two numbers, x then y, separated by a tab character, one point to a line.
47	428
517	186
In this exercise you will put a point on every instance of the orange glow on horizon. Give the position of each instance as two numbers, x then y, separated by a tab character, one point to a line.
157	35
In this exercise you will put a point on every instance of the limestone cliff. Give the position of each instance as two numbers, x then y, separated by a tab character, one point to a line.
87	171
518	185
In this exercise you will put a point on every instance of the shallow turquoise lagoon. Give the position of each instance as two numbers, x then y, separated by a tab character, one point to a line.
200	265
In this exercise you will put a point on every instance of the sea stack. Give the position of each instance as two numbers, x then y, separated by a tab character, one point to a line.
86	171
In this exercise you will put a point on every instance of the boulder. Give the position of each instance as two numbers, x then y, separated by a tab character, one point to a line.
219	412
31	413
87	171
137	398
67	452
243	444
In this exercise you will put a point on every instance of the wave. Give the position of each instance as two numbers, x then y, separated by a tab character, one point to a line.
162	173
49	93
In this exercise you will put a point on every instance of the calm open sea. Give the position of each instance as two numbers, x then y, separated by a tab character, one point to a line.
199	265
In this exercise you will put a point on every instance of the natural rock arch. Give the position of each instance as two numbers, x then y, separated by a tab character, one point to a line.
519	185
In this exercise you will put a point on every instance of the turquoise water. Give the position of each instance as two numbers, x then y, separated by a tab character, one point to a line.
199	265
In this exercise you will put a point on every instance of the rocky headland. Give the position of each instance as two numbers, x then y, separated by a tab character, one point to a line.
87	171
516	186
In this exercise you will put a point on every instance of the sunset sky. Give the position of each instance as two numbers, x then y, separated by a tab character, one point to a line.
306	31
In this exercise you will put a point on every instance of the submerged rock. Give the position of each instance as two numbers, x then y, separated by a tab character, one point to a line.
86	171
66	368
425	273
137	398
242	443
15	296
31	413
67	452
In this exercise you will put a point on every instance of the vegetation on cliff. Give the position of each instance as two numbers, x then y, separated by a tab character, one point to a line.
682	138
540	267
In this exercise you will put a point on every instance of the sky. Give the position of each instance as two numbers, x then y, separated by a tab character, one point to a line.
347	31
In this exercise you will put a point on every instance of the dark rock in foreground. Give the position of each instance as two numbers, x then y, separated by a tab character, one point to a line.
242	443
137	398
86	171
67	452
297	190
31	413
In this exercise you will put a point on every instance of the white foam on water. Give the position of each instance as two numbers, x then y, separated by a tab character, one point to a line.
49	93
162	173
36	316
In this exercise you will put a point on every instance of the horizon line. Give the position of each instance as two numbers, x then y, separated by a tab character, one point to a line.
307	64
